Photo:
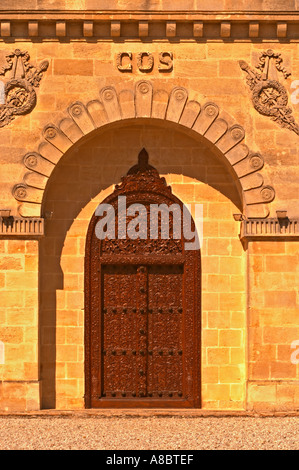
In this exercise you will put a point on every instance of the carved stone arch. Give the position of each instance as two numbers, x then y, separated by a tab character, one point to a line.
145	101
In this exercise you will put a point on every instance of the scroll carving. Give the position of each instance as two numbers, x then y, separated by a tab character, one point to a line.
19	90
269	96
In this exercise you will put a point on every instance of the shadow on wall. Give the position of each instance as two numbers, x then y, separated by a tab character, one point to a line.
78	179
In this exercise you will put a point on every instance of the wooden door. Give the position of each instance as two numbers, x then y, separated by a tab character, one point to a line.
142	299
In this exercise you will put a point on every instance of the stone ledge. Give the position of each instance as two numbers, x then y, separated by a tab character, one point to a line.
144	413
269	229
20	227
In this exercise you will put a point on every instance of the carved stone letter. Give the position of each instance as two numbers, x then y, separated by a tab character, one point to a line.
119	62
166	59
140	64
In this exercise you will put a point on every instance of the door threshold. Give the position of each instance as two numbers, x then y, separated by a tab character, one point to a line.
144	413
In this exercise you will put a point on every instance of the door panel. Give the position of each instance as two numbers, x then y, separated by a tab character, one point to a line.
165	332
120	341
142	332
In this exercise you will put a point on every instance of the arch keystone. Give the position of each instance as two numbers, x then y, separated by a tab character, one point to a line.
159	105
127	105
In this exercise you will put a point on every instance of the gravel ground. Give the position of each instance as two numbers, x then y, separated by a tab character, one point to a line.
148	433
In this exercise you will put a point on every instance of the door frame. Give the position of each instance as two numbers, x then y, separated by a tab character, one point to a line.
95	259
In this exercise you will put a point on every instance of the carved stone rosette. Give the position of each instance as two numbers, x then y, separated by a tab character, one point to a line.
19	89
269	96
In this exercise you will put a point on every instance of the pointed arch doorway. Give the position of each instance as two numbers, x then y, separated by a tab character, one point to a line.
142	302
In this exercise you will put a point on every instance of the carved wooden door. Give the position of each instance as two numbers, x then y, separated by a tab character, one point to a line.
142	330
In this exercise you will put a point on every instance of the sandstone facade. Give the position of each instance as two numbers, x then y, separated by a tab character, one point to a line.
183	82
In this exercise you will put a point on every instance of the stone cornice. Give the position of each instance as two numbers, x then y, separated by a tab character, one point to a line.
237	26
269	229
32	227
130	14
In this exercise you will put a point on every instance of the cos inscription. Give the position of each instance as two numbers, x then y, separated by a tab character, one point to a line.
144	61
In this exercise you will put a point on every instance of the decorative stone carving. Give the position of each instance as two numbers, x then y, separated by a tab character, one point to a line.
76	110
144	101
19	89
268	193
31	160
144	88
269	96
145	61
50	132
20	192
256	162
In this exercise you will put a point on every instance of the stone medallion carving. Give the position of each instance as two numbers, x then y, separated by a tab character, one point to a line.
20	80
269	96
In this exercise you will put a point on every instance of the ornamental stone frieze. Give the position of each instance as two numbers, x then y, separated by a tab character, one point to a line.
20	78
